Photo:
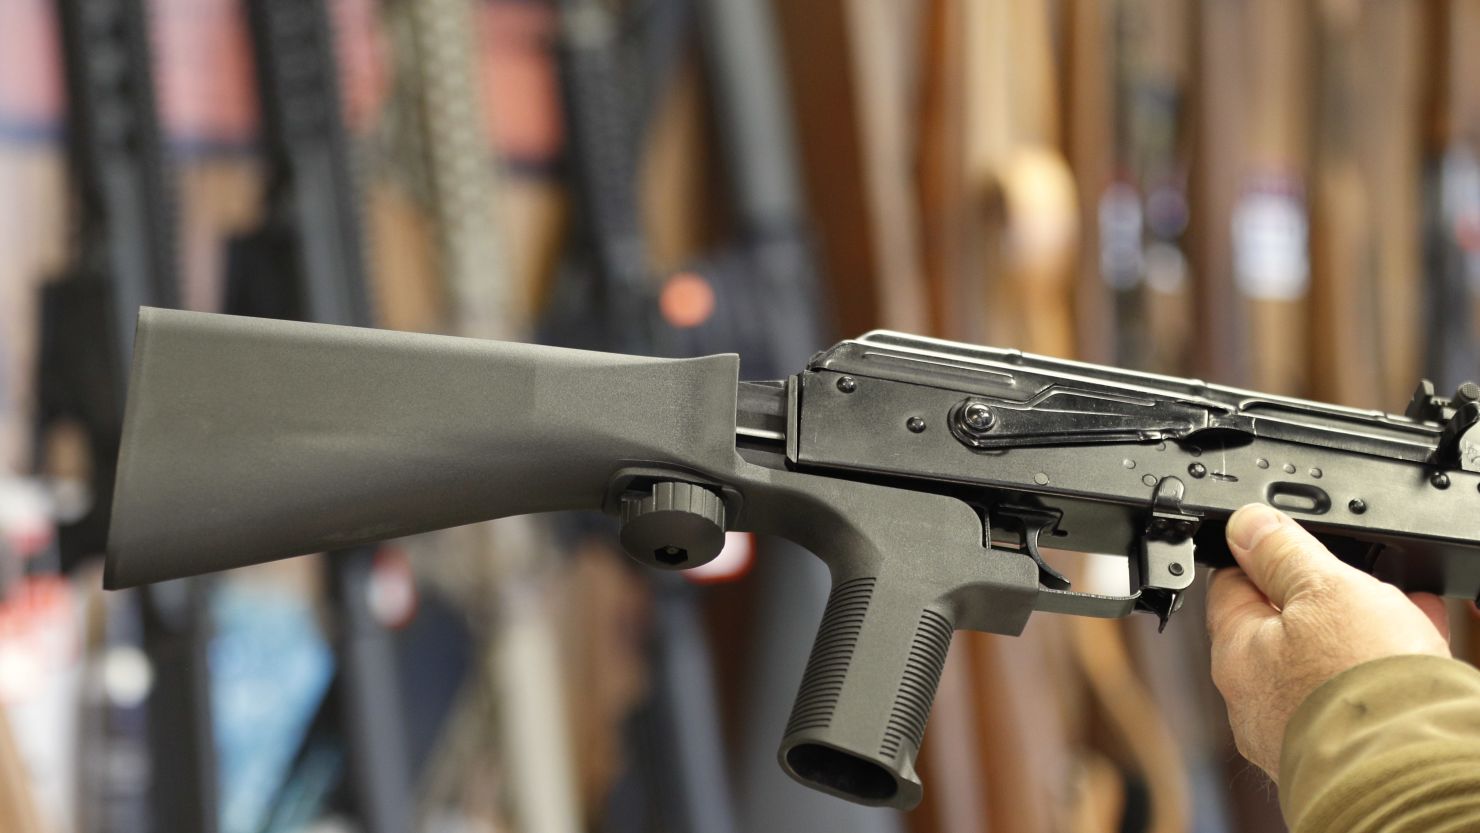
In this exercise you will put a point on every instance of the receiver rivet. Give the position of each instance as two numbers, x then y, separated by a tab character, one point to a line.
1357	505
847	384
1175	568
1440	480
915	424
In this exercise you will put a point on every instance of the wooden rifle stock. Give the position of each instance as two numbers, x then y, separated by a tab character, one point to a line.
307	261
1026	219
1271	225
1345	345
951	760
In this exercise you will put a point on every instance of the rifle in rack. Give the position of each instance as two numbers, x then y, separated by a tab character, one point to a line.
763	288
1451	203
500	574
1392	163
1452	198
847	63
125	259
125	247
1271	246
768	309
306	262
613	69
1348	351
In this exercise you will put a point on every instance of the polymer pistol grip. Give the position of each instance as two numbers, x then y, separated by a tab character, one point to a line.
860	714
866	693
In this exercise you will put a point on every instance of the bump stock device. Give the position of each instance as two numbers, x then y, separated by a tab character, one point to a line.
926	474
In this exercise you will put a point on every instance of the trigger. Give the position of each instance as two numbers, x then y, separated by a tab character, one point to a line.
1047	575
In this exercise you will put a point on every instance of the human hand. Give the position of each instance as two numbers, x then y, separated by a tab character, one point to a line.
1294	616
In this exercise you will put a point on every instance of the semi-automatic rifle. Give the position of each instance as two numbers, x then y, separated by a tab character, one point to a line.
926	474
611	71
306	261
764	296
125	257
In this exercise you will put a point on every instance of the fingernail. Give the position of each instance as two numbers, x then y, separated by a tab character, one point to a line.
1249	525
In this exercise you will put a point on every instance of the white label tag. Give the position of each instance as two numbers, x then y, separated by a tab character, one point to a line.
1271	256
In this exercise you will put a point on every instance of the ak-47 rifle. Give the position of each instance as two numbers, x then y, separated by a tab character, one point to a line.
125	260
764	295
924	473
609	65
1452	200
306	262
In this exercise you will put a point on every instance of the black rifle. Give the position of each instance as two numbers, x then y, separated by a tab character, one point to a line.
1452	193
125	259
306	262
924	473
769	310
612	69
765	308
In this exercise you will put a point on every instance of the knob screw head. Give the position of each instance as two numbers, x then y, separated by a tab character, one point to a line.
673	525
978	417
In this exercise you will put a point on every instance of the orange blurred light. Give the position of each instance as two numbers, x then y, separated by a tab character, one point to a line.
687	300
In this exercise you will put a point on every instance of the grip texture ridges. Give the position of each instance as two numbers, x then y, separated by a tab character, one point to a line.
917	688
832	654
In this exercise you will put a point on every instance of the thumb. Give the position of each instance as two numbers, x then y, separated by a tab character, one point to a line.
1279	556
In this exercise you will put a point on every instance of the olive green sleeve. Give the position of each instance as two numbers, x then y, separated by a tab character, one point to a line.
1392	745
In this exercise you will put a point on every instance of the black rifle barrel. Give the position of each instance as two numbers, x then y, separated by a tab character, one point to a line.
125	260
307	262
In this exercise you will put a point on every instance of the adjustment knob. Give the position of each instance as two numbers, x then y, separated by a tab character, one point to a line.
674	526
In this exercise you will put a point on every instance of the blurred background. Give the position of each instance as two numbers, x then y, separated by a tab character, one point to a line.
1276	194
